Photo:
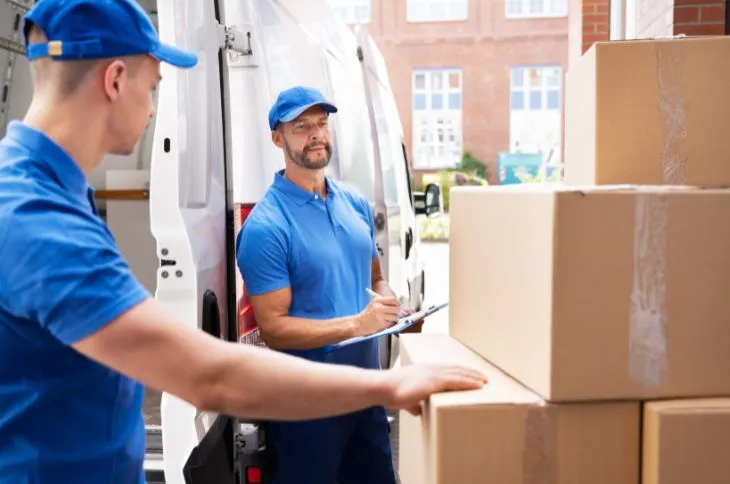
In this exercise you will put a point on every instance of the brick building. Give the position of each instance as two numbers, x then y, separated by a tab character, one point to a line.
596	20
479	75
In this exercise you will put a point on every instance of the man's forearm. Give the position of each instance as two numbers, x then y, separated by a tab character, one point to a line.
302	333
383	288
257	383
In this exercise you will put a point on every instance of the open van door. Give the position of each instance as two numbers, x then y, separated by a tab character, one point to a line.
405	271
190	221
167	206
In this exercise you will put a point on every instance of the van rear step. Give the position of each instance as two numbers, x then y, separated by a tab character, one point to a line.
154	477
154	471
153	439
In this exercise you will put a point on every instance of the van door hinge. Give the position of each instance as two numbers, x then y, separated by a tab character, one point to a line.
22	5
248	439
12	46
15	47
238	42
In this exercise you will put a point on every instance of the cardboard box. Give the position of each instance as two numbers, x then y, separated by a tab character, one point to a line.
505	434
599	293
649	112
686	442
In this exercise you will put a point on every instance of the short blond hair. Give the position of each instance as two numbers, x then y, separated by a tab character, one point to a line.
68	75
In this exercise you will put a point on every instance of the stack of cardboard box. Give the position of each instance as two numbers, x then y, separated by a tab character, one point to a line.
600	308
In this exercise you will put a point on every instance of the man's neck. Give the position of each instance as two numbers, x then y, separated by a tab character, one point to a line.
70	128
309	180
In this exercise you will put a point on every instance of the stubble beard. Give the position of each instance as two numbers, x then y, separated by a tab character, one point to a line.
303	161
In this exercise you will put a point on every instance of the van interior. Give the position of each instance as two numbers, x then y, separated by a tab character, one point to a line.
176	204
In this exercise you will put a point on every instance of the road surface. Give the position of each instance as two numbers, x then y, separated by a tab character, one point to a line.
436	259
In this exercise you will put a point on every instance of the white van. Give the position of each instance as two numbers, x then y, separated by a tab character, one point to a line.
176	205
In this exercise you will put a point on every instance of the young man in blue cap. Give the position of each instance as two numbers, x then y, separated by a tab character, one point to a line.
307	255
77	331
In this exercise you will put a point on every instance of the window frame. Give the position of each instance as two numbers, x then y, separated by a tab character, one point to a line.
525	14
338	6
412	6
622	19
430	115
544	87
527	113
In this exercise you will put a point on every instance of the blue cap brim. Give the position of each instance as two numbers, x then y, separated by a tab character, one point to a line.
292	115
174	56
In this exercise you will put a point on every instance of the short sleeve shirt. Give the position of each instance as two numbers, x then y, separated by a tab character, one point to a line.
63	417
322	249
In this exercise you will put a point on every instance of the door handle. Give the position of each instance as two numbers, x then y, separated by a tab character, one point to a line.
379	221
409	242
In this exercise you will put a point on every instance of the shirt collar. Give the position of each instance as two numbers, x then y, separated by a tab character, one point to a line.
51	156
297	194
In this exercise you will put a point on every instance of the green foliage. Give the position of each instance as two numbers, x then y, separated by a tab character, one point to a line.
446	181
474	166
471	171
526	177
433	229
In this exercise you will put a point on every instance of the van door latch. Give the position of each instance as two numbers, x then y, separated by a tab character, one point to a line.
238	41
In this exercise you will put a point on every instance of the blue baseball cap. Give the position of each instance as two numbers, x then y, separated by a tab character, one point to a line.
97	29
294	101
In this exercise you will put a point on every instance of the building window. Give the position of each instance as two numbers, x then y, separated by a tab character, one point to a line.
352	11
437	10
536	8
437	118
535	108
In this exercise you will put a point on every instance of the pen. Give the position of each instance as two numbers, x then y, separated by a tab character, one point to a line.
374	294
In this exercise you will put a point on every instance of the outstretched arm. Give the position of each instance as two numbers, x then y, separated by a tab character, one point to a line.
245	381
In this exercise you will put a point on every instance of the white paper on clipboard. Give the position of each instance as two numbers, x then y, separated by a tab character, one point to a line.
402	324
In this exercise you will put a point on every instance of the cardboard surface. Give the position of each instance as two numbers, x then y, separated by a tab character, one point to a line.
504	433
649	112
596	293
686	442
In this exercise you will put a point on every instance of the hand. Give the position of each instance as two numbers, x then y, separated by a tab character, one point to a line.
410	385
416	327
381	313
405	311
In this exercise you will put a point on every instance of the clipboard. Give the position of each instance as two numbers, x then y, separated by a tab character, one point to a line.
402	324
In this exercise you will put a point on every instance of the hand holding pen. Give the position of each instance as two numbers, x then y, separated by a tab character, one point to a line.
403	311
382	312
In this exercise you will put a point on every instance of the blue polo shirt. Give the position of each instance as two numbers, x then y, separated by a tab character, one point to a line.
322	249
63	417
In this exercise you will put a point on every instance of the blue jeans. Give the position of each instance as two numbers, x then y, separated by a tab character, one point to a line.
350	449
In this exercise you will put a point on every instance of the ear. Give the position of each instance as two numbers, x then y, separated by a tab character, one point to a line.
115	77
277	138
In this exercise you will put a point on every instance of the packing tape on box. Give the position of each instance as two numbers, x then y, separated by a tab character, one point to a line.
647	317
673	111
539	465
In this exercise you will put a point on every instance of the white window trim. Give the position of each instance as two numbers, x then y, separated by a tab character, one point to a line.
622	20
617	20
544	89
528	15
412	20
352	4
418	164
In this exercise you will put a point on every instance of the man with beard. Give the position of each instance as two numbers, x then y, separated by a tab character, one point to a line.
307	255
79	335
